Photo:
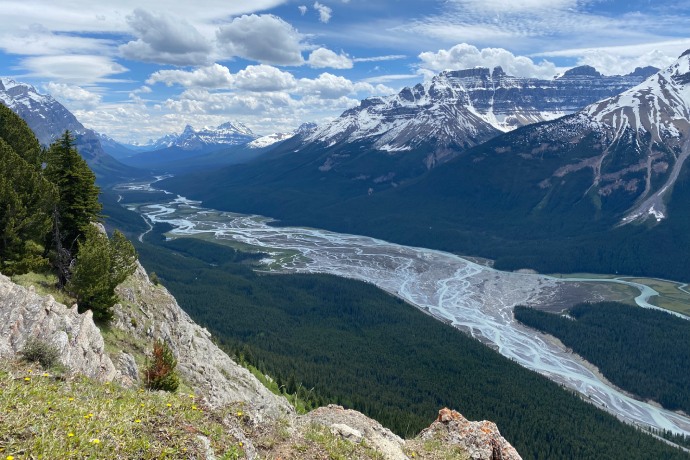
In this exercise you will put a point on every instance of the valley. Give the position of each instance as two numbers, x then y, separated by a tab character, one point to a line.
471	297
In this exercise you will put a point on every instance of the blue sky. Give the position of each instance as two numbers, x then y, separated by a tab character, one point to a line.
137	70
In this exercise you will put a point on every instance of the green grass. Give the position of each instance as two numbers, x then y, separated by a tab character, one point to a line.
670	296
45	416
44	284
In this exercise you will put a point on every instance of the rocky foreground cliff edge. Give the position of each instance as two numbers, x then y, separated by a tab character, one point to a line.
269	426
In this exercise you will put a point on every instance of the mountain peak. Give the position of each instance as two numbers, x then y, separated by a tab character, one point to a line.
582	71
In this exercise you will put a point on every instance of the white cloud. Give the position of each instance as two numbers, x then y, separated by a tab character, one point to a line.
265	38
616	60
37	40
390	57
73	97
325	12
614	64
213	76
464	56
264	78
512	6
194	101
73	69
323	57
302	9
329	86
165	39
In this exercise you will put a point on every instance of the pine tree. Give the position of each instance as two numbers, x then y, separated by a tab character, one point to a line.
26	197
77	205
101	265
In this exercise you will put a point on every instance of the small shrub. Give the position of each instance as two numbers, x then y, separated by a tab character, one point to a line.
40	351
161	374
154	278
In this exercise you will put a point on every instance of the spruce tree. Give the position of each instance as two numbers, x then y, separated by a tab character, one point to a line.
101	265
77	205
26	197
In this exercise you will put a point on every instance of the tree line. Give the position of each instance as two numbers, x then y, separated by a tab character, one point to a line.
48	210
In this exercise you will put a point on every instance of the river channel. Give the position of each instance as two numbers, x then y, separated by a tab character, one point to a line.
472	297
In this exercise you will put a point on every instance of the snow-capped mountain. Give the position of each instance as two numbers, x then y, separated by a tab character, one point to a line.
459	109
207	138
49	119
272	139
642	139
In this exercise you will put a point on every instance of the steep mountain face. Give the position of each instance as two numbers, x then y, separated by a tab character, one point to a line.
457	110
49	119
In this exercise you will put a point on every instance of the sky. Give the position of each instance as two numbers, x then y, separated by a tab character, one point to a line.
138	70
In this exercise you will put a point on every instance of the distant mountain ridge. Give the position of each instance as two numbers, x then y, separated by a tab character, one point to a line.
49	119
460	109
225	135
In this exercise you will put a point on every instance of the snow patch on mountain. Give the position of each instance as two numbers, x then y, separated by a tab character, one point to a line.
460	109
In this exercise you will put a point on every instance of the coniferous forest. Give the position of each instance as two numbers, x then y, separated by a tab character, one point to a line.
643	351
333	340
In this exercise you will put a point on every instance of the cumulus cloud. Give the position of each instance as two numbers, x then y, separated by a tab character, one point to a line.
73	96
616	64
302	9
165	39
323	57
73	69
205	102
325	12
329	86
463	56
265	38
213	76
264	78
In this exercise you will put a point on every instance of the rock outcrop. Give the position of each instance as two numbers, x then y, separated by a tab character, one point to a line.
25	315
149	311
481	440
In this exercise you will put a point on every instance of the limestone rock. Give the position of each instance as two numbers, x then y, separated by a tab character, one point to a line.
357	427
482	440
150	311
25	314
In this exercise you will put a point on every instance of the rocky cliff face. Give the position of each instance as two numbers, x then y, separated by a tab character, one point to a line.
264	425
460	109
24	314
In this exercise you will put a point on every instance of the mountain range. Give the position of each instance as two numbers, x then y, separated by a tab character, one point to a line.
49	119
553	195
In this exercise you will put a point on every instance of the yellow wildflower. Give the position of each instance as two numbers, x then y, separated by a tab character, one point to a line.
9	457
193	407
137	421
240	413
27	379
70	399
70	435
169	405
95	441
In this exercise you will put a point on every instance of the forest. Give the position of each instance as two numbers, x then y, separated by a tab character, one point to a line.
643	351
334	340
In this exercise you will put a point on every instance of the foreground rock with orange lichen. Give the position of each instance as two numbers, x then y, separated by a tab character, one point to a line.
481	440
